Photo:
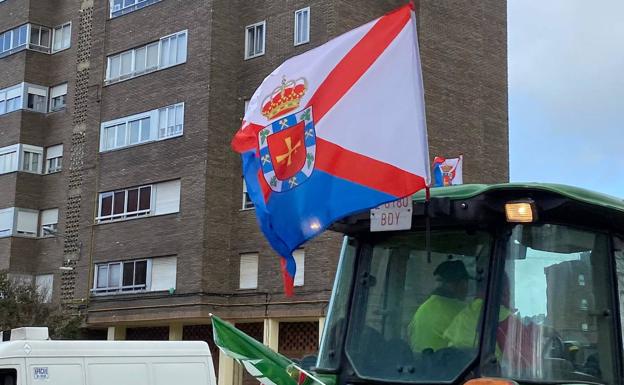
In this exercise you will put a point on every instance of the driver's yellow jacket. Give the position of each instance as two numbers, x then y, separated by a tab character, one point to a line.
433	317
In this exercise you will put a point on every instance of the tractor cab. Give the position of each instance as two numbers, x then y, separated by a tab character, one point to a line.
509	282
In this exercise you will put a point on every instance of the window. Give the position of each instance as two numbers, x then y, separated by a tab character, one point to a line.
44	284
39	38
7	218
13	41
173	50
169	51
58	95
247	202
121	7
61	37
299	256
302	26
254	40
8	159
248	278
11	99
170	121
541	285
20	157
153	274
54	159
140	128
158	199
27	222
49	222
31	162
37	98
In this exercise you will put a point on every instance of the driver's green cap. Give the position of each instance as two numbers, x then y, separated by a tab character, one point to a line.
451	271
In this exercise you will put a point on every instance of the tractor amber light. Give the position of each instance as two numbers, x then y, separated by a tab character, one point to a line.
490	381
520	212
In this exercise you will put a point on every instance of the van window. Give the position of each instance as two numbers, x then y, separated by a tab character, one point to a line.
8	377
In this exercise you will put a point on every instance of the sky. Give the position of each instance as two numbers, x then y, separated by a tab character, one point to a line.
566	93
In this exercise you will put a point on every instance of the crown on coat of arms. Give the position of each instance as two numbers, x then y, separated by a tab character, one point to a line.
446	167
284	98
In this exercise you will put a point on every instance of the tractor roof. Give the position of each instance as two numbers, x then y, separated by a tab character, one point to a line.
468	191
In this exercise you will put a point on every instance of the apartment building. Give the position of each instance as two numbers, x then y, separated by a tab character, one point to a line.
119	194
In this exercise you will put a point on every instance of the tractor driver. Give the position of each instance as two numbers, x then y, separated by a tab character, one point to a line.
433	317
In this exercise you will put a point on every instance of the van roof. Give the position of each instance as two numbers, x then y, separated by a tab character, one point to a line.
30	348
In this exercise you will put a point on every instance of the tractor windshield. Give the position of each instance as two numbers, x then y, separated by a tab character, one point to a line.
556	309
406	300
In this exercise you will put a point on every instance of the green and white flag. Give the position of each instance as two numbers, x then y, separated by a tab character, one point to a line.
267	366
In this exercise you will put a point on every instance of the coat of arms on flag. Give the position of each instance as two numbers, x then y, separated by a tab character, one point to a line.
335	131
287	150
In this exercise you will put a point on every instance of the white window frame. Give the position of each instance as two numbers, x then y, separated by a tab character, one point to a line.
120	289
61	29
52	97
40	91
123	10
167	110
11	213
125	214
255	53
23	149
57	161
46	224
133	72
14	149
154	135
158	204
39	46
297	26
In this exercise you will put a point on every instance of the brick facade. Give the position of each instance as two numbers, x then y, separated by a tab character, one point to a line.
463	50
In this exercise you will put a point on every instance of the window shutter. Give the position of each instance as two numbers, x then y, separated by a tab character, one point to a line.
37	91
300	259
54	151
248	271
27	221
6	221
167	197
164	273
44	284
49	217
58	90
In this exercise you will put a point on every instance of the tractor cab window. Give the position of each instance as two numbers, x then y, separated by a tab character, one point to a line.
406	298
555	315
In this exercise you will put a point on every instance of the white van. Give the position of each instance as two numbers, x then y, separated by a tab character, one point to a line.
29	358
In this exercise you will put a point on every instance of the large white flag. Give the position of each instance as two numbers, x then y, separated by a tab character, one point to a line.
336	130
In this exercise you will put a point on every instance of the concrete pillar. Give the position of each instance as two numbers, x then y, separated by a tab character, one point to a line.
175	332
271	333
321	328
230	373
116	333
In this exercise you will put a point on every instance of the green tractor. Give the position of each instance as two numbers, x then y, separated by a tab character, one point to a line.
492	284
